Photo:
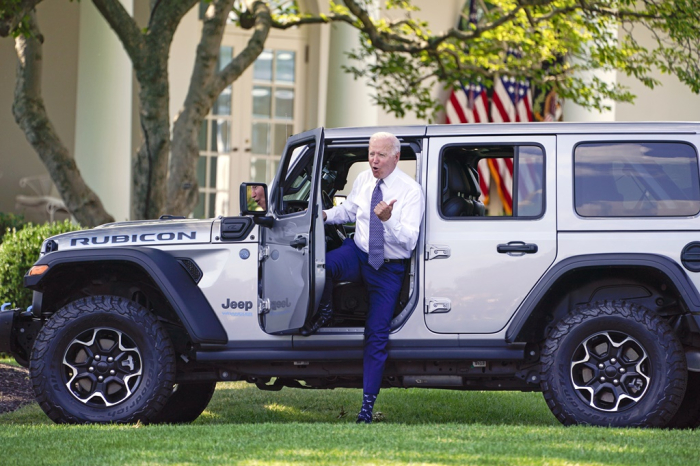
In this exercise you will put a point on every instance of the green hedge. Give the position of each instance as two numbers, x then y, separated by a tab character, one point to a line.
18	253
10	221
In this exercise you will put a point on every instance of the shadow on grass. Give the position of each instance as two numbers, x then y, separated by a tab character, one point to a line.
239	402
242	403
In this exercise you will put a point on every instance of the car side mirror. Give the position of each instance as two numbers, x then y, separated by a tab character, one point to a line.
253	199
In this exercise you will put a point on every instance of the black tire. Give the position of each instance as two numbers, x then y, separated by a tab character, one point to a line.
613	364
688	415
186	403
102	359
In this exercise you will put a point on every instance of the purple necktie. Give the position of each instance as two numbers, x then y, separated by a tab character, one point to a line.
376	231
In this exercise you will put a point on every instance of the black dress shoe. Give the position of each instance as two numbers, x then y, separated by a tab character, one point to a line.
325	313
322	320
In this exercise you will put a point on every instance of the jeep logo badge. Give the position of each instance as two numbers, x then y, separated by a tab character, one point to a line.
247	305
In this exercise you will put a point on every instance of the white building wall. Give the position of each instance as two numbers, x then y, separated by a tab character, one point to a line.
183	51
58	21
671	101
103	129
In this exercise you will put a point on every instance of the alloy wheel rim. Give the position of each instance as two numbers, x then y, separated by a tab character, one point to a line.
610	371
102	367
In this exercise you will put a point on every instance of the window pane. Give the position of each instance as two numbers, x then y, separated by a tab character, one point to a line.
478	181
221	136
222	104
273	168
284	104
199	210
530	198
201	170
262	69
501	177
225	56
212	205
221	204
636	179
262	103
284	67
221	173
261	137
258	170
281	137
212	172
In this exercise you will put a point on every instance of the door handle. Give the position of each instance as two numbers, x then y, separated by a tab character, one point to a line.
517	247
298	242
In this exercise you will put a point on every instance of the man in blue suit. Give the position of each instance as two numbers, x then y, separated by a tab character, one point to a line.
387	207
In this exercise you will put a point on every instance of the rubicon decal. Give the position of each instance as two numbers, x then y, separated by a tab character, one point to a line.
140	238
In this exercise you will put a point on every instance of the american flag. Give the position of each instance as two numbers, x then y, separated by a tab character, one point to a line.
469	104
511	102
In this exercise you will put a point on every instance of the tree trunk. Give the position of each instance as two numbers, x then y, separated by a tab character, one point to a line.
150	165
205	86
30	114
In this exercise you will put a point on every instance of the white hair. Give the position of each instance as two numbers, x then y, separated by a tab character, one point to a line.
392	141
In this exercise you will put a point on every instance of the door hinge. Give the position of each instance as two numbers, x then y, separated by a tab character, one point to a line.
435	250
263	306
320	266
438	306
264	253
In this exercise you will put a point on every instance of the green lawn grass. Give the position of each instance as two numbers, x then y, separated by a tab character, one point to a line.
5	359
245	426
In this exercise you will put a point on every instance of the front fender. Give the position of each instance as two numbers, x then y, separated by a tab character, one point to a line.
170	277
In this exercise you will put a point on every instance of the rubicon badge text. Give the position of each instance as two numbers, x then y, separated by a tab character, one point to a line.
142	238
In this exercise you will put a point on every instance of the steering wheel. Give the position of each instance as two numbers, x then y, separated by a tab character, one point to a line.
326	201
334	233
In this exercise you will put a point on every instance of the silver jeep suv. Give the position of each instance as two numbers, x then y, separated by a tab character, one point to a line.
578	278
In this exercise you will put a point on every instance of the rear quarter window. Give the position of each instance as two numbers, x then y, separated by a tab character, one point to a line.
636	179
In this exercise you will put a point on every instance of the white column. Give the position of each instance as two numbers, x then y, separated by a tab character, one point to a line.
349	101
103	130
573	112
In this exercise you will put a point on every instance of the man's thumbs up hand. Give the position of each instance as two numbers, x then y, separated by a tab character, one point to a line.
383	210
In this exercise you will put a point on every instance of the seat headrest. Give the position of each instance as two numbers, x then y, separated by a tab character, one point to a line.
456	178
473	180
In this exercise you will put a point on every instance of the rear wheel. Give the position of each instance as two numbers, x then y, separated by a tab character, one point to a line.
613	364
102	359
186	403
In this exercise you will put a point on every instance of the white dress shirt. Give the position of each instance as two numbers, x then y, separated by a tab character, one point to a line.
401	230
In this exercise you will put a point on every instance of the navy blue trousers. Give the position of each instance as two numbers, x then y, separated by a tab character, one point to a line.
349	264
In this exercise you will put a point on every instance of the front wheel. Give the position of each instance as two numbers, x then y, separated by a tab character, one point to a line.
102	359
613	364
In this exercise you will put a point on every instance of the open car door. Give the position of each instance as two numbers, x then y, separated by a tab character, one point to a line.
293	249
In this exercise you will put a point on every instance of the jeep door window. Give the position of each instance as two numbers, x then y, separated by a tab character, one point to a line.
492	181
295	186
636	179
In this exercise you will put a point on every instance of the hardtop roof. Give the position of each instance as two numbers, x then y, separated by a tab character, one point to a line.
486	129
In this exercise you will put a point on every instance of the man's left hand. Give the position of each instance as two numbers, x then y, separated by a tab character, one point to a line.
383	210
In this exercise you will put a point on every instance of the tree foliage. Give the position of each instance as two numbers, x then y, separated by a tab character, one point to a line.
520	38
